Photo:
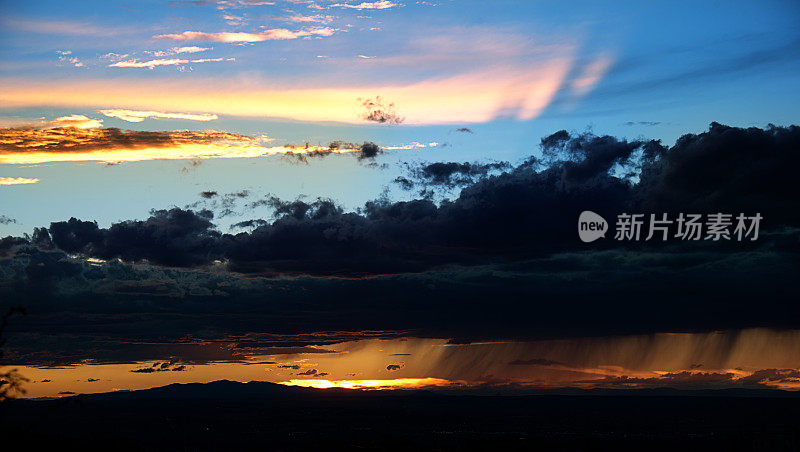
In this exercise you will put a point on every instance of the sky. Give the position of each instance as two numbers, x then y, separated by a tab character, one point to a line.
202	187
292	72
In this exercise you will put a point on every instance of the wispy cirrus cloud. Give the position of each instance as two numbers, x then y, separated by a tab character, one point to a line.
591	74
299	18
384	4
235	3
139	115
60	27
274	34
177	50
17	181
150	64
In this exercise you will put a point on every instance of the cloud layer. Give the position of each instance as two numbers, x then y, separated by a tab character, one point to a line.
502	260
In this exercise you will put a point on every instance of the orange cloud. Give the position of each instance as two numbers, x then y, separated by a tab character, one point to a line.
27	145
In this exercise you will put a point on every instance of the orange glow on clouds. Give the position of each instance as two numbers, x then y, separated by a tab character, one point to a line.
756	358
513	92
27	145
397	383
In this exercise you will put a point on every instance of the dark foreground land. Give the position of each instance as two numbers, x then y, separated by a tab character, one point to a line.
262	416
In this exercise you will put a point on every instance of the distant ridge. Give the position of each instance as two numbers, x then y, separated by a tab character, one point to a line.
226	389
214	389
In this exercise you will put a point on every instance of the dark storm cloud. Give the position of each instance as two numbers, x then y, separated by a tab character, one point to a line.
172	237
681	379
773	375
502	260
249	224
522	212
728	169
451	174
8	244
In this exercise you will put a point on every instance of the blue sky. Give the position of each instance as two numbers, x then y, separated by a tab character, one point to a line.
297	71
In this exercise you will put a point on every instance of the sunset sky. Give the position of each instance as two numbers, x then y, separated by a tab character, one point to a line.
233	182
292	72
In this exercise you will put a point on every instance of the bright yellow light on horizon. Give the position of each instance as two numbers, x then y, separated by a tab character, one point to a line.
178	152
397	383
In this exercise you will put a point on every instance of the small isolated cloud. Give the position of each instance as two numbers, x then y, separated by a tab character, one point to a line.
414	145
71	60
17	181
232	20
139	116
190	49
385	4
377	111
641	123
6	220
394	367
77	121
274	34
